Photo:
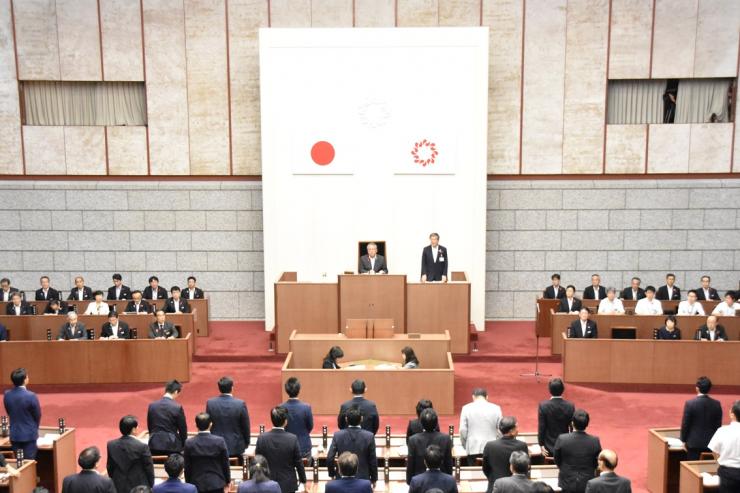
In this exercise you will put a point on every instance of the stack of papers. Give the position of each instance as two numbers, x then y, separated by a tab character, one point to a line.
251	450
399	488
709	479
47	440
674	443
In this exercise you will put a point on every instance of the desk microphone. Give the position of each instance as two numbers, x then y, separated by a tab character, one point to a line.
3	426
262	429
324	437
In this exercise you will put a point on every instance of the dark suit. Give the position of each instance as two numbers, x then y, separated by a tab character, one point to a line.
87	293
230	421
720	333
662	293
63	308
87	481
417	448
368	409
365	265
664	334
627	294
129	463
496	456
609	483
198	293
300	423
3	333
415	427
207	462
517	483
348	485
24	411
433	478
11	290
550	294
702	416
161	293
165	420
143	307
182	305
51	294
575	305
713	294
125	293
361	443
576	330
167	330
588	293
67	333
175	486
25	309
282	452
123	331
553	419
576	454
434	268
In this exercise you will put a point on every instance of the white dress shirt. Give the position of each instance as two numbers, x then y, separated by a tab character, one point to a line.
372	263
81	294
95	309
191	294
726	310
686	308
434	253
606	306
726	443
707	296
114	330
154	293
118	293
647	307
6	295
17	309
596	291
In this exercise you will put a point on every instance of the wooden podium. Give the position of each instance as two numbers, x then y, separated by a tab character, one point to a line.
373	296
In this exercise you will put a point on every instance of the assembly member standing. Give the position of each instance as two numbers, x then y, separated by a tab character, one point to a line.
24	412
434	261
165	420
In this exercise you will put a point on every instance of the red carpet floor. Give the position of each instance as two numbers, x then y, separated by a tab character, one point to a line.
620	416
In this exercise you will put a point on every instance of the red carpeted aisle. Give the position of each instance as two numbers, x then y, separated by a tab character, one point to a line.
620	416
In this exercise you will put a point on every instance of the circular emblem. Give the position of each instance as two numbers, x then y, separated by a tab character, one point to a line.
424	152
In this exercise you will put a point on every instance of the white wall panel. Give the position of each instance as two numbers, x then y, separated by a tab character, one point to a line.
11	160
36	38
79	39
44	148
668	148
84	150
375	13
625	148
127	151
711	148
121	28
631	28
717	34
674	41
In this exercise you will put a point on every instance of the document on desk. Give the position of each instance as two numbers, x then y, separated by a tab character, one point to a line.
674	443
47	440
710	479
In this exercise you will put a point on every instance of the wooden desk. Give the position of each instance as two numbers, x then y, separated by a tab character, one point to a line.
663	461
644	325
373	296
100	361
26	480
649	361
53	462
690	478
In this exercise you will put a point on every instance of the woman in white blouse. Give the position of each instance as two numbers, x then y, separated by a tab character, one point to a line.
98	307
728	307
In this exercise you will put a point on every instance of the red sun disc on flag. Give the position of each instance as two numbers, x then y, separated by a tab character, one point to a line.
424	152
322	153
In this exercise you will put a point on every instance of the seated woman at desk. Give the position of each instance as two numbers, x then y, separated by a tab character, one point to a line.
330	362
410	360
98	307
669	331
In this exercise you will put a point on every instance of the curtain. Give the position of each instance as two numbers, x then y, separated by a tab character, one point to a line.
635	101
84	103
698	99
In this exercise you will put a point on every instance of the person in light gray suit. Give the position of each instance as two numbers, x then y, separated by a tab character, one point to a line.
608	481
479	422
518	481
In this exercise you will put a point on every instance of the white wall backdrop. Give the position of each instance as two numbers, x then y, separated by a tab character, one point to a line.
373	94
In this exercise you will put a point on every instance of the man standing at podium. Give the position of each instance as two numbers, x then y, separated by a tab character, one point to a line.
372	263
434	261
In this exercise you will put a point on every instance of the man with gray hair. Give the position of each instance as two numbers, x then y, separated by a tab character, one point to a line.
372	263
518	481
72	329
497	453
478	424
608	481
611	305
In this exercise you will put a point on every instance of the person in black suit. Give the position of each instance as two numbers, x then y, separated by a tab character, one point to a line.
176	304
129	460
206	458
6	290
496	453
154	291
434	261
633	291
161	328
518	482
357	441
669	331
230	418
554	417
46	292
114	328
555	291
706	292
583	327
137	305
348	482
433	477
24	411
165	420
711	331
300	420
595	291
576	455
414	425
418	445
56	307
608	481
702	416
569	303
669	291
370	417
282	452
372	263
72	329
17	306
192	292
330	362
118	291
80	292
88	480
